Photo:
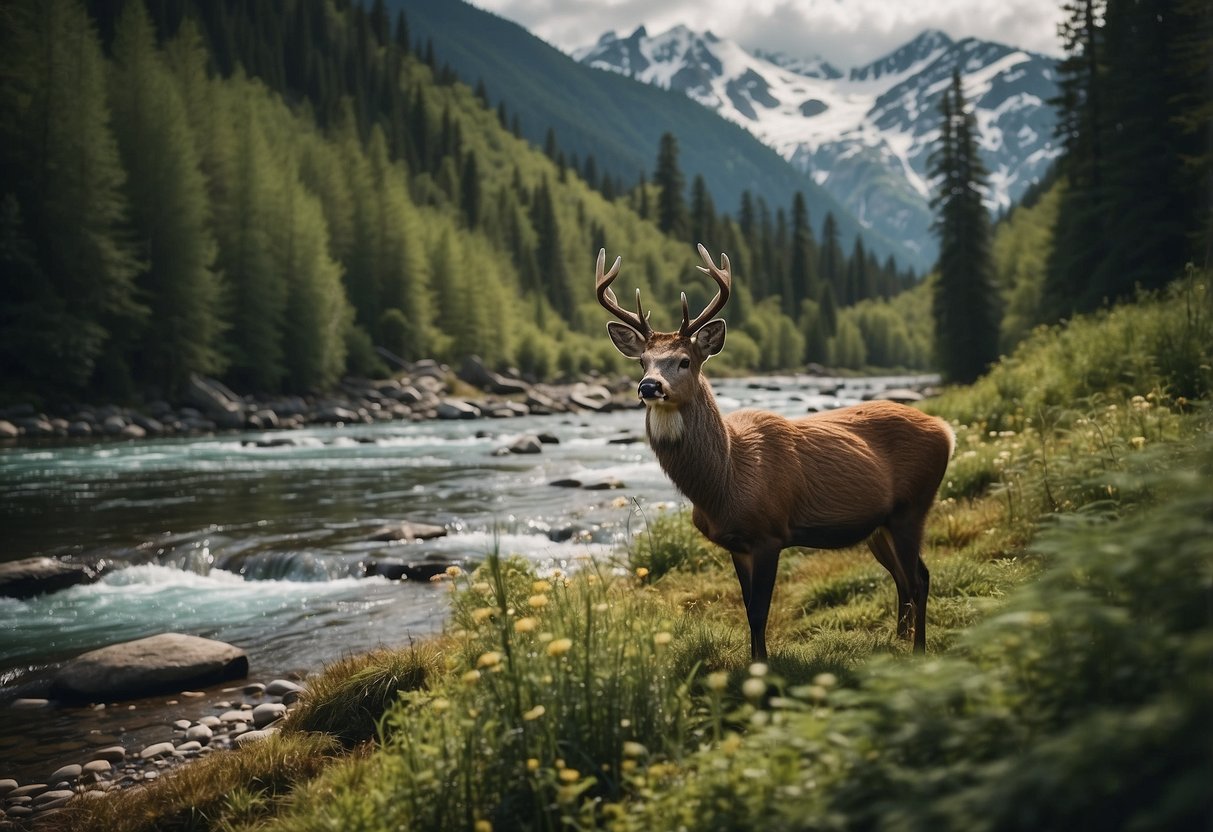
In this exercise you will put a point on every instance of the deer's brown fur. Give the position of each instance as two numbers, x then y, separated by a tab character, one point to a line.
760	482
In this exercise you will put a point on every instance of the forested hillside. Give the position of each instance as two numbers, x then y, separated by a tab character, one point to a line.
268	192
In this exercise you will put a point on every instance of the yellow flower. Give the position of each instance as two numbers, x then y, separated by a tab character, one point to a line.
471	677
483	826
634	749
534	713
560	646
526	625
717	681
482	614
532	764
662	639
540	586
454	571
440	704
731	743
483	588
537	601
489	659
826	680
570	775
642	572
1138	442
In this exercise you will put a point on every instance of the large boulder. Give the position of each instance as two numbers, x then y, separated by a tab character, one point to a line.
146	666
214	400
35	576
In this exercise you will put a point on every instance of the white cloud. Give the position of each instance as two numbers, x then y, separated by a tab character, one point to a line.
846	32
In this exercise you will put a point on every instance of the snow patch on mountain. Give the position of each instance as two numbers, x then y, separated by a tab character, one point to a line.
866	135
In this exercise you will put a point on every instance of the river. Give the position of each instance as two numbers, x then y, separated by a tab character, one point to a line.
266	546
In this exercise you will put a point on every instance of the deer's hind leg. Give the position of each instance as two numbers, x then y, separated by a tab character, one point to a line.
882	548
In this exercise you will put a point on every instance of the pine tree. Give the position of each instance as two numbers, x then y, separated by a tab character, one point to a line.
59	158
802	261
964	303
831	265
671	202
469	199
703	213
168	201
549	255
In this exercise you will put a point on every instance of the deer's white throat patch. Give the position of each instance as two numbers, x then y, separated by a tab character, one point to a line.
665	423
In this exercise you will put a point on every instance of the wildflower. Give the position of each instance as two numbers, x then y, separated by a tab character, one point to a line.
717	681
532	764
634	749
537	601
482	614
731	743
483	588
826	680
662	639
560	646
754	688
440	704
540	586
526	625
490	659
534	713
471	677
483	826
642	572
454	571
1138	442
758	669
570	775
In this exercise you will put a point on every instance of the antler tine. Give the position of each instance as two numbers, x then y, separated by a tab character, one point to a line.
606	296
723	278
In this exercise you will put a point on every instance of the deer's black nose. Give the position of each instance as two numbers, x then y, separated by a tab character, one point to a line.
650	389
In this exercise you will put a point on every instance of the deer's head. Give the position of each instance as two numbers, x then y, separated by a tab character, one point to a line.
671	360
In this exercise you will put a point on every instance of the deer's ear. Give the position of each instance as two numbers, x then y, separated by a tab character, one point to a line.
627	340
710	338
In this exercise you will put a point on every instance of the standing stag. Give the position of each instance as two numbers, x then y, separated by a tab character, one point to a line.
760	483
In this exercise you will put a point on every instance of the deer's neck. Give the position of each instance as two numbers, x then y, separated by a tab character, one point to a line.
692	444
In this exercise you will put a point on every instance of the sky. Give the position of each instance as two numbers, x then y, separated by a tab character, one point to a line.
847	33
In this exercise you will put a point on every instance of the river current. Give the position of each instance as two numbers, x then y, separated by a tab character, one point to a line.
266	546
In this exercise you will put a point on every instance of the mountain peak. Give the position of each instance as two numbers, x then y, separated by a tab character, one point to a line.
925	46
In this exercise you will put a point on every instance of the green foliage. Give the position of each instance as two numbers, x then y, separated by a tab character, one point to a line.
667	542
1161	346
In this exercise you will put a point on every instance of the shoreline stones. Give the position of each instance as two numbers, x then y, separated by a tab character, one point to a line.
262	707
423	390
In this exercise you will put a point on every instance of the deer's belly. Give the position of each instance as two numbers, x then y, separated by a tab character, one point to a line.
832	537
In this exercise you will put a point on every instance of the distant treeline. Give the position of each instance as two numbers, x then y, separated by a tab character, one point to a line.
268	191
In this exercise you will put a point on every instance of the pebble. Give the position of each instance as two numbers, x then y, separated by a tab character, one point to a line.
69	772
112	767
280	686
156	750
30	704
199	733
263	715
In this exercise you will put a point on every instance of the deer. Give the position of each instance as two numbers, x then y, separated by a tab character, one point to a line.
759	482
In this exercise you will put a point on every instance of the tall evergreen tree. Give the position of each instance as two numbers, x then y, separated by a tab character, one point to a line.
168	201
703	213
671	200
831	266
802	260
549	255
60	160
965	300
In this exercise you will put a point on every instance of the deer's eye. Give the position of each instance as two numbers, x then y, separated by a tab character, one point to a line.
684	363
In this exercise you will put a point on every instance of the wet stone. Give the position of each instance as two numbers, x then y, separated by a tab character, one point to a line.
278	687
181	724
56	794
6	786
263	715
69	772
98	767
199	733
156	750
29	790
113	753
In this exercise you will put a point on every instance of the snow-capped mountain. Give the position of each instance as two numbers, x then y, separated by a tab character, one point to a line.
866	134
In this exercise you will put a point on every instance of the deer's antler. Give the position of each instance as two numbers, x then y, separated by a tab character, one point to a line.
638	320
723	279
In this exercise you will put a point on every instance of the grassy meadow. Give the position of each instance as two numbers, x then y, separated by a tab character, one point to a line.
1068	682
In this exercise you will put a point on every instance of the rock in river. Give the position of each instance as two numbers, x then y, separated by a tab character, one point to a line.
34	576
169	661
